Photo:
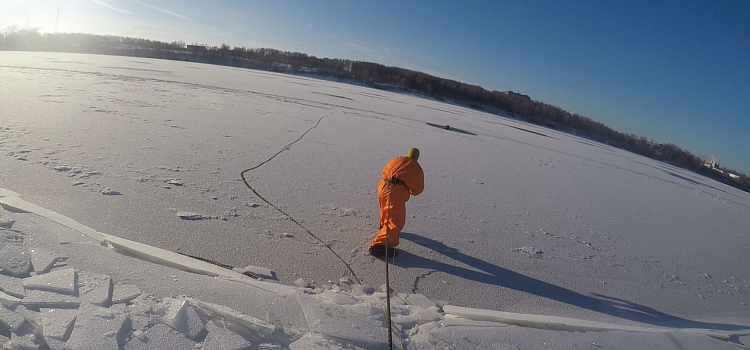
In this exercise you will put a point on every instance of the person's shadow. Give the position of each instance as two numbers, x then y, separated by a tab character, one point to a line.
493	274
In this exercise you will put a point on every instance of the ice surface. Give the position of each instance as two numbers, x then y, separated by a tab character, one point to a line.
420	300
94	288
182	317
161	337
124	292
221	338
12	286
10	318
61	281
15	260
95	327
57	323
333	320
502	188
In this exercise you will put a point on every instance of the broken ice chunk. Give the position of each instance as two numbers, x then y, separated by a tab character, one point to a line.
184	318
62	168
14	260
95	328
125	292
56	323
12	286
32	317
5	221
60	281
175	182
26	338
95	288
42	260
333	320
10	318
428	315
159	336
221	338
41	298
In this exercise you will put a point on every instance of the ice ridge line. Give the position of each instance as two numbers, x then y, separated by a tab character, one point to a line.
13	202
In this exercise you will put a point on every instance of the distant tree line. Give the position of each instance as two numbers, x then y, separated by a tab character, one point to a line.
377	76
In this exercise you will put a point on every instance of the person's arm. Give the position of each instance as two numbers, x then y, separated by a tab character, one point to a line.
415	181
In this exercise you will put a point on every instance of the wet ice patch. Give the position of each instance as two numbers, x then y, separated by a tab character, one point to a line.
186	215
175	182
109	192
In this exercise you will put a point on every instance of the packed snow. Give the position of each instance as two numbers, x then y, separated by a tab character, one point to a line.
524	237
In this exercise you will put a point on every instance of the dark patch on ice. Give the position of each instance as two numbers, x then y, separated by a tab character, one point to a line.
597	146
527	130
450	128
320	93
294	82
140	62
484	272
246	273
195	67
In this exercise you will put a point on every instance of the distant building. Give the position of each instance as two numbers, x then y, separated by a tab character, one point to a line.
710	163
511	93
734	176
196	48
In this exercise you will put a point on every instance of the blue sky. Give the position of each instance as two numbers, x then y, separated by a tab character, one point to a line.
673	71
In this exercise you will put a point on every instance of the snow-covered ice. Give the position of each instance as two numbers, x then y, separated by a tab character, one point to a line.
627	242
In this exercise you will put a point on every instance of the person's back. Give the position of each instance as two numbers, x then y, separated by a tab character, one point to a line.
402	177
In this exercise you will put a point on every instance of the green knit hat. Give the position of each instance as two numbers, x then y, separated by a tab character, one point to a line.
413	153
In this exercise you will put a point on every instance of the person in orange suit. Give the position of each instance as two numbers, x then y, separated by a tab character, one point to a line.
402	177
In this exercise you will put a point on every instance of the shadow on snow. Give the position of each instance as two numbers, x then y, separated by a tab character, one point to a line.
496	275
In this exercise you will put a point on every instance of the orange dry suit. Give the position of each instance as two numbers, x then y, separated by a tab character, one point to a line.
402	176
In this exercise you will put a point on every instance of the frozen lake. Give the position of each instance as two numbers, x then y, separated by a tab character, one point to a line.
514	217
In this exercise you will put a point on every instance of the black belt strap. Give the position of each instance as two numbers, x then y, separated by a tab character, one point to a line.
396	181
